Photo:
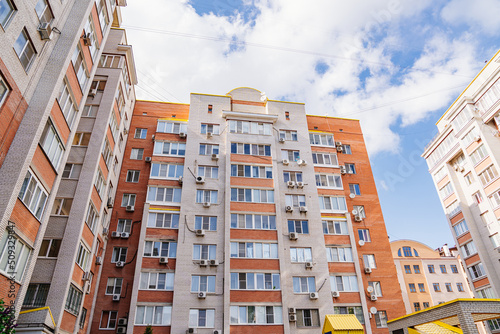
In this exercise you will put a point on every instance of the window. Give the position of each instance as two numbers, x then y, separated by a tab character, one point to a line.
4	88
350	168
329	180
421	287
203	283
346	149
160	248
251	149
479	154
436	286
304	284
133	176
290	155
201	318
468	249
411	287
92	217
460	287
43	11
476	270
416	306
124	225
170	127
407	251
25	50
255	281
469	179
454	269
381	319
256	128
425	305
206	223
157	281
98	85
167	148
83	317
112	61
252	171
163	220
210	172
137	153
210	108
255	315
166	195
100	183
209	149
114	286
210	128
106	152
292	176
339	254
254	222
288	135
62	206
448	287
252	195
81	139
79	66
90	110
478	198
308	318
52	145
36	295
153	315
74	300
488	175
301	254
165	171
494	324
431	268
6	11
356	310
321	139
416	268
204	252
348	283
354	189
113	126
298	226
119	254
49	248
287	115
254	250
332	203
486	293
369	261
460	228
361	210
140	133
335	227
108	320
407	269
495	240
442	267
72	171
206	196
128	199
67	104
33	195
377	288
325	159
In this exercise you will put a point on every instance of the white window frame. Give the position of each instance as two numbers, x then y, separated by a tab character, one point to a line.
331	157
82	257
332	226
154	192
154	310
22	251
239	314
155	217
210	196
166	171
207	223
208	172
150	246
339	254
128	200
33	195
344	283
112	319
61	204
204	252
23	48
306	284
194	318
52	145
149	279
171	127
119	254
203	283
174	149
253	222
301	254
333	181
254	250
115	284
321	139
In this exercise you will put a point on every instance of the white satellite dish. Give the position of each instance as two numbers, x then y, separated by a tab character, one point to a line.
354	212
361	242
369	289
373	310
351	195
263	96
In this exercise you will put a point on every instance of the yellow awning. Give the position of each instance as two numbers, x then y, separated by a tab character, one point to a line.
342	324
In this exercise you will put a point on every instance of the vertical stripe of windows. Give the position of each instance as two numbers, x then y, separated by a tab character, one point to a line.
79	66
257	222
33	195
162	170
339	254
92	217
171	127
252	195
251	149
166	195
254	250
252	171
167	148
255	281
165	220
160	249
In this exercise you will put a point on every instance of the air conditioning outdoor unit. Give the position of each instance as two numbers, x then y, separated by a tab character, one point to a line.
125	235
373	298
293	236
200	179
292	317
477	138
354	212
181	179
285	161
110	202
115	234
300	184
313	295
86	276
190	330
130	208
291	310
343	170
357	218
335	294
120	264
122	322
281	140
93	92
182	134
209	134
98	260
45	31
368	270
200	233
203	263
217	331
303	209
147	159
289	208
290	184
214	263
202	295
301	162
163	260
338	143
206	204
121	330
309	265
215	156
116	298
339	149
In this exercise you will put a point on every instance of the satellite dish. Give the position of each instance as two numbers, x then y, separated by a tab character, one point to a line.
352	195
369	289
361	242
373	310
354	212
263	96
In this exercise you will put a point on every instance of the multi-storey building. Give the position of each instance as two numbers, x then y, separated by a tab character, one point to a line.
241	214
463	160
66	98
428	277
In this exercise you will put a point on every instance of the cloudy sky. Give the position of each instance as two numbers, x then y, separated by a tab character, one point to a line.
395	65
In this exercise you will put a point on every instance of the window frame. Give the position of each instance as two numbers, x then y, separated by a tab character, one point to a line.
9	16
21	53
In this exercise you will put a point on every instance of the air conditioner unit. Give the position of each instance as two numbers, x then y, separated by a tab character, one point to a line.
147	159
293	236
292	317
181	180
301	162
206	204
289	208
309	265
300	184
130	208
120	264
303	209
200	233
290	184
477	138
335	294
182	134
86	276
343	170
200	179
203	263
291	310
202	295
209	134
313	295
190	330
110	202
87	41
217	331
93	92
373	298
285	161
340	149
115	234
98	260
105	231
461	168
338	143
45	31
215	156
357	218
116	298
121	330
214	262
122	322
368	270
281	140
456	167
163	260
121	3
125	235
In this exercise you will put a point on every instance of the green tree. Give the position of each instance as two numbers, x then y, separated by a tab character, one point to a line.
7	320
149	330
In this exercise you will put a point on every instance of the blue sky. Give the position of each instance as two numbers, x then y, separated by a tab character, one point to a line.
395	65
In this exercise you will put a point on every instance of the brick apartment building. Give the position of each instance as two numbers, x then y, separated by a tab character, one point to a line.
242	214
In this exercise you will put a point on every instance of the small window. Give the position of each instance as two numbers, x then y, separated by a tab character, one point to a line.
411	286
407	269
416	306
287	115
83	317
416	268
81	139
364	235
346	149
308	318
133	176
7	9
114	286
210	108
421	287
407	251
4	88
90	110
448	287
460	287
454	269
350	168
124	225
381	319
49	248
443	268
136	154
369	261
141	133
354	189
436	286
62	206
431	268
108	320
43	11
119	254
206	223
128	199
25	50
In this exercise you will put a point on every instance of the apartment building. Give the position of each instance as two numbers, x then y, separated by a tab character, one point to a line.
237	213
463	160
66	98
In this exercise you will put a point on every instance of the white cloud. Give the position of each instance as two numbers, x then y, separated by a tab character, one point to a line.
286	41
479	13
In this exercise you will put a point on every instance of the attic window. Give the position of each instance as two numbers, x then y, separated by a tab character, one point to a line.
173	116
287	115
315	128
210	107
